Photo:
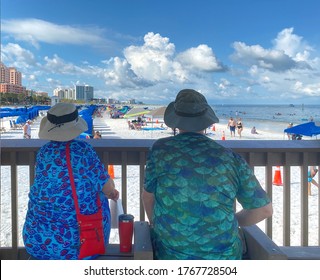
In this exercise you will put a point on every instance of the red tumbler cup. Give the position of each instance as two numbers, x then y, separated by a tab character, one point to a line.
125	232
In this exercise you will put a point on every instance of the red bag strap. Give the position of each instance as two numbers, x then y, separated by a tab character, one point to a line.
74	193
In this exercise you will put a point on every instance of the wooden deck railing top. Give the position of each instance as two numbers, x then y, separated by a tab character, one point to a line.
127	152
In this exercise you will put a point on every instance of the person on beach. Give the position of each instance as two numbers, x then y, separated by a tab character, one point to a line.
97	135
254	130
51	230
311	174
232	126
289	134
239	127
191	185
27	130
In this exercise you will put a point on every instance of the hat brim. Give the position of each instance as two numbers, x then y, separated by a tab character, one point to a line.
193	124
64	132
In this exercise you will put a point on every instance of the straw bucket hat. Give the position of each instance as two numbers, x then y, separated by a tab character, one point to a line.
62	123
190	112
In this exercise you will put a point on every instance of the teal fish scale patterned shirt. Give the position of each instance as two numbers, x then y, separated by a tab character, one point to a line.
195	182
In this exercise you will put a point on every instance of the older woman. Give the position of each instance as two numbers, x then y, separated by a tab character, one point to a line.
51	229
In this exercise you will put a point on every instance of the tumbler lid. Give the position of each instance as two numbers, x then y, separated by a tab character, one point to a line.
125	217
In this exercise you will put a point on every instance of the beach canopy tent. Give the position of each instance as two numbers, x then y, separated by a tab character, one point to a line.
306	129
134	112
22	119
158	112
124	109
25	112
116	112
87	115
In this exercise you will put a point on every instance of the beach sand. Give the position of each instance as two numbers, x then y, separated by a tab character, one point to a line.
118	128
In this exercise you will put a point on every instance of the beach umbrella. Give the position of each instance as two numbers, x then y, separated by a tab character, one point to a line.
5	114
306	129
86	114
158	112
22	119
84	135
125	109
134	112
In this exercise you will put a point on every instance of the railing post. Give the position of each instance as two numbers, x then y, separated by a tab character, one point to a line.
268	175
32	160
286	205
318	207
124	189
141	183
14	202
304	201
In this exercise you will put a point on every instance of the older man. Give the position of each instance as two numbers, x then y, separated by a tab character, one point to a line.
191	186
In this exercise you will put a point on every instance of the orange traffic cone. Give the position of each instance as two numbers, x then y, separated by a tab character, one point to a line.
157	121
111	171
277	177
213	127
223	136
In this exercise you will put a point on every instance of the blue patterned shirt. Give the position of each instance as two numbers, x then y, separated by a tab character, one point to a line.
51	229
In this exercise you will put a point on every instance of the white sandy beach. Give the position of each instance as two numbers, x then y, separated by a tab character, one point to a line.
118	128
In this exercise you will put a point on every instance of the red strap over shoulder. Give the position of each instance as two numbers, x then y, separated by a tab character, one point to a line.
74	193
73	187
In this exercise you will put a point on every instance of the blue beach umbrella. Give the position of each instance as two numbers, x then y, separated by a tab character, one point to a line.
22	119
306	129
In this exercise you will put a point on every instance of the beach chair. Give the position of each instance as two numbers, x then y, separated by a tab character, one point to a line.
12	125
137	126
17	126
131	126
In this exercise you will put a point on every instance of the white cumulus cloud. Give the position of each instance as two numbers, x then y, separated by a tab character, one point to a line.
36	31
200	58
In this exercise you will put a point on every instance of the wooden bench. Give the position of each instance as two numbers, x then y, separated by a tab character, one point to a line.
301	252
258	246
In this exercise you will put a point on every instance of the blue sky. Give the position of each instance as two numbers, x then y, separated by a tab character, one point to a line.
233	51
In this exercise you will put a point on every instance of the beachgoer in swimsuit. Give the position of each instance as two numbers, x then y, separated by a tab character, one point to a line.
232	126
239	127
312	173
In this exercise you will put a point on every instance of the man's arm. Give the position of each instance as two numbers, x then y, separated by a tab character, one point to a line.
248	217
148	203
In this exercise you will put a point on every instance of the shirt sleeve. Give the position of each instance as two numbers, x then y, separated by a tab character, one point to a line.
250	194
150	180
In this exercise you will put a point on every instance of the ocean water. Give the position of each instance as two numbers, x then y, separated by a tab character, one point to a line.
268	117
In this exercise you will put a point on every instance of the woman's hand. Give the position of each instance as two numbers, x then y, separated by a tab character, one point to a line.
114	195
